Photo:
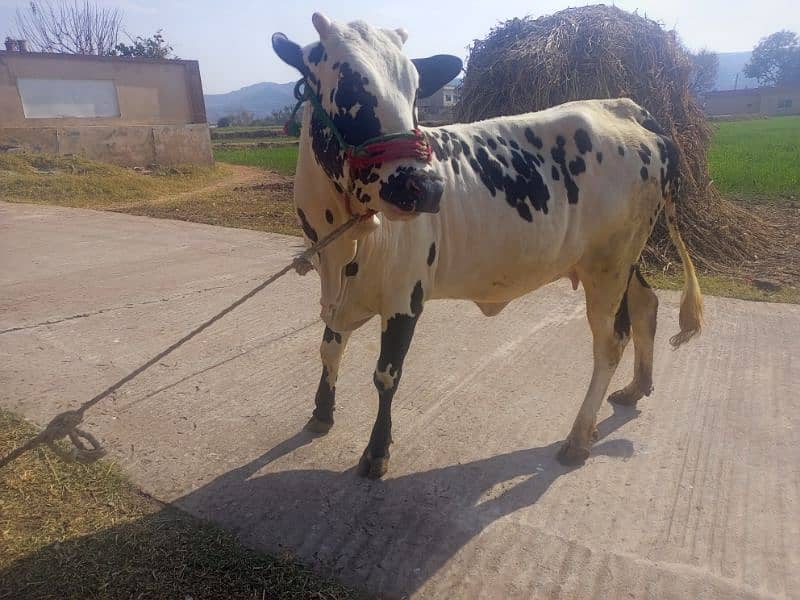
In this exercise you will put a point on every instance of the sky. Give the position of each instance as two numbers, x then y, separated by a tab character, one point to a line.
231	38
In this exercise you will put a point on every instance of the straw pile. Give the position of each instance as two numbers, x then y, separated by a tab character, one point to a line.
604	52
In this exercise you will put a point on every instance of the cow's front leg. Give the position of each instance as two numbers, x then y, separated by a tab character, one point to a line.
395	341
331	351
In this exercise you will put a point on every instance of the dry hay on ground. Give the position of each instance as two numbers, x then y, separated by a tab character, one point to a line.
604	52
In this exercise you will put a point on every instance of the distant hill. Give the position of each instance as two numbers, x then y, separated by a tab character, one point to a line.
260	99
731	64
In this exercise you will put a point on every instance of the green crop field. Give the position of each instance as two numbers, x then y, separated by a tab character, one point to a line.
282	159
757	158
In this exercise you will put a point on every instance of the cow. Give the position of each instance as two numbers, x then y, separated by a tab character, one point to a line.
485	211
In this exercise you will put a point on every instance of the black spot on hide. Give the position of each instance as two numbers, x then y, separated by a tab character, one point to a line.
316	53
351	270
328	216
622	320
416	299
431	253
645	153
395	189
582	141
559	155
307	228
577	166
329	335
355	129
533	138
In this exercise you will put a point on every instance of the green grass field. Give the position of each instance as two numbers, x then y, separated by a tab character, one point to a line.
757	158
282	159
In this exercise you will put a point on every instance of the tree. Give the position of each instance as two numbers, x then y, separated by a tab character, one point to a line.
69	27
703	76
226	121
153	47
281	115
776	59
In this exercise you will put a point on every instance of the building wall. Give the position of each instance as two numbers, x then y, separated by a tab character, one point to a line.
161	110
764	101
786	102
733	104
438	106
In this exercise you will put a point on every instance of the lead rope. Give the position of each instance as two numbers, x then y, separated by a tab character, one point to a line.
65	424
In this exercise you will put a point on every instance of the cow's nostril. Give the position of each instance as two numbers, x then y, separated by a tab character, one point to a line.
413	186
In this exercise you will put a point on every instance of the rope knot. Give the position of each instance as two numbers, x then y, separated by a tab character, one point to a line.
64	425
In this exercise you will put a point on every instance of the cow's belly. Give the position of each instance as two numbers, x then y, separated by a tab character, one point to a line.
507	265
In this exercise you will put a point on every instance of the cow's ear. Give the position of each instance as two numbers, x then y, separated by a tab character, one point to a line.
435	72
288	51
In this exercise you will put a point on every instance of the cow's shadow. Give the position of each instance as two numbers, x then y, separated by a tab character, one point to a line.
385	536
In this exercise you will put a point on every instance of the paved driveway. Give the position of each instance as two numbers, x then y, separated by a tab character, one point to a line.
696	494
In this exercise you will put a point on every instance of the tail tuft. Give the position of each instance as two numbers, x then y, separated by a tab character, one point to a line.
690	317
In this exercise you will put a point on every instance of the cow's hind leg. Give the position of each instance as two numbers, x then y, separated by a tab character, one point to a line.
331	350
609	320
643	307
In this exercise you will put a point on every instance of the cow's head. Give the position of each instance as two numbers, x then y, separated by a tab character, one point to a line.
368	88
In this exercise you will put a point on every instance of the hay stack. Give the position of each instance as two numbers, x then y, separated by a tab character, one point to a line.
604	52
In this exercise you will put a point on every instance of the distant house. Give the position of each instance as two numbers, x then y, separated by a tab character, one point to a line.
132	112
783	100
438	108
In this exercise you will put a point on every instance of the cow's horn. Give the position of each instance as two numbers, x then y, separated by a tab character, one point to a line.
322	24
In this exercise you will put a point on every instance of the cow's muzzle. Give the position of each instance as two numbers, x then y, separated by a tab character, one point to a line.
417	192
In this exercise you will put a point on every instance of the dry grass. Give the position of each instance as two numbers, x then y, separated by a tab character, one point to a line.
264	205
81	183
228	195
74	531
726	286
604	52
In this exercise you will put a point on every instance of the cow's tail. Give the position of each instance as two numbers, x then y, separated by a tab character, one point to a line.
690	317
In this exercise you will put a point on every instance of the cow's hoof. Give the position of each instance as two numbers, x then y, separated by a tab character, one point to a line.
571	454
595	435
373	467
318	426
625	397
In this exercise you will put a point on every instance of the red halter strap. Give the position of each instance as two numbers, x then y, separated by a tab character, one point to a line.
412	145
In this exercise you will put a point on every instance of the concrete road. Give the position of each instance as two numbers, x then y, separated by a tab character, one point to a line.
695	495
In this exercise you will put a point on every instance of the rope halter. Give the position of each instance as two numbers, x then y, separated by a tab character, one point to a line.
374	151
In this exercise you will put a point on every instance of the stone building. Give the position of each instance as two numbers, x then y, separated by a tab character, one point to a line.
783	100
132	112
438	108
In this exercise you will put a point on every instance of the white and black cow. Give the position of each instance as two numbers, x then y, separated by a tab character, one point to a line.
503	206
